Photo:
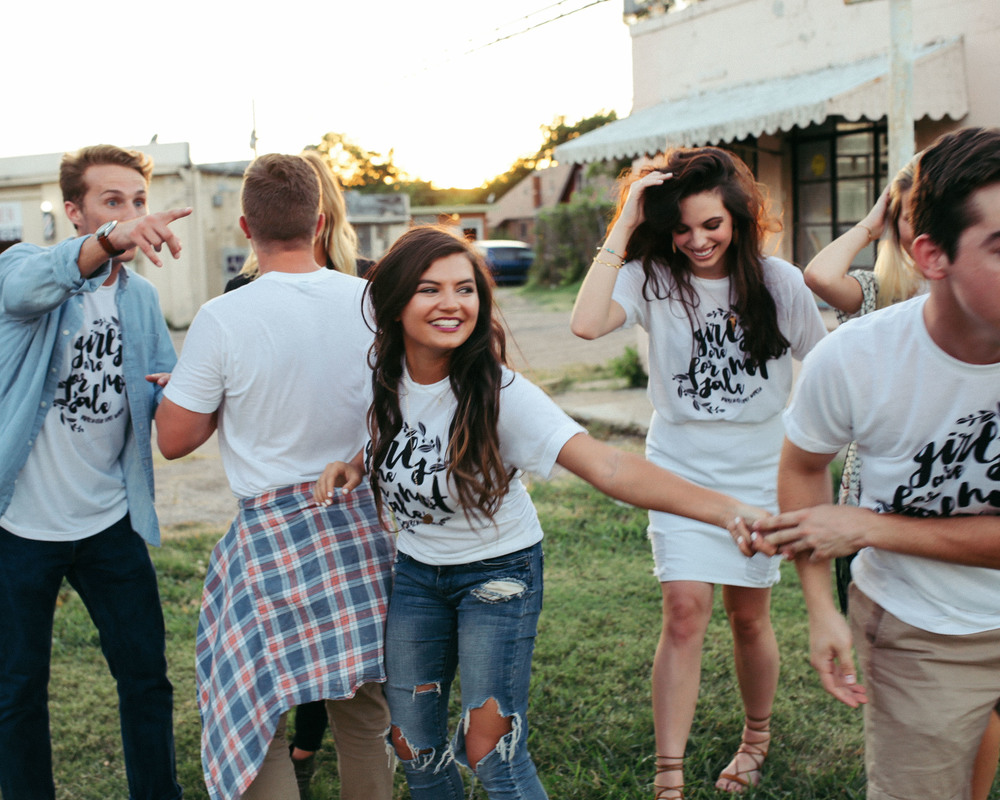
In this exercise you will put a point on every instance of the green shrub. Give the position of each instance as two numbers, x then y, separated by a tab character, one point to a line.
629	367
567	236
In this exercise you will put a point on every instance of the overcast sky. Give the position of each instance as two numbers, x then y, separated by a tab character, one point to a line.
416	76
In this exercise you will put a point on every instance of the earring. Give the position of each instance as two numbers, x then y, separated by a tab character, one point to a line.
673	246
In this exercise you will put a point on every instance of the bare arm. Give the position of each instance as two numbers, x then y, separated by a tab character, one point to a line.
804	481
595	313
179	431
827	531
633	479
827	274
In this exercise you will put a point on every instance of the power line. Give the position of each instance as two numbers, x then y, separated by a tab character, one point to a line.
520	32
536	25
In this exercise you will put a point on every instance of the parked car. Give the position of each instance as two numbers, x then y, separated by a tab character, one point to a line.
508	259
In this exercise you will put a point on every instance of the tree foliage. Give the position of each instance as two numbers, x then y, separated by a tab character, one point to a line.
358	168
373	173
554	134
566	236
368	171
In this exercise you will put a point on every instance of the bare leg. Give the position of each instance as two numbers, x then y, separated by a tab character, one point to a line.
985	768
755	650
687	607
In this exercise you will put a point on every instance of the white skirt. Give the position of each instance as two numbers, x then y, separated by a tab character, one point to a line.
739	459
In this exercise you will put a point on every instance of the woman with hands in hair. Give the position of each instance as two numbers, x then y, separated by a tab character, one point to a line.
683	259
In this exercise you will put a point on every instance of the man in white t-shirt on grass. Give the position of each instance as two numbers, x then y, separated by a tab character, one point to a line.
295	596
918	386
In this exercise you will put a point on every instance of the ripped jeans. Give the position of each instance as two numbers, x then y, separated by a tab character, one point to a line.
480	618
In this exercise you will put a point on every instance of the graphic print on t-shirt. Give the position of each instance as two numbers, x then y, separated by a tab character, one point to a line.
958	476
716	373
93	391
413	476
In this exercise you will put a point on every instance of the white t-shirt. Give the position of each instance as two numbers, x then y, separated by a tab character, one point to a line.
717	419
284	359
710	378
72	485
928	433
433	527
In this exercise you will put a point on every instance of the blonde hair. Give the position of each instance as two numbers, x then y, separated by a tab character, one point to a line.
896	274
73	167
340	242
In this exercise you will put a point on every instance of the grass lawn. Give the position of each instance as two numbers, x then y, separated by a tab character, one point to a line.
591	727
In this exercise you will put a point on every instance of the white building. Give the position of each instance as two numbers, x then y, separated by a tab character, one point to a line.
799	89
214	247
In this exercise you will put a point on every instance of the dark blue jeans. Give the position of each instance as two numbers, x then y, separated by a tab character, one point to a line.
481	619
115	578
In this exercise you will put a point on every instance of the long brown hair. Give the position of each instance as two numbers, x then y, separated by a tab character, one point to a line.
475	465
697	170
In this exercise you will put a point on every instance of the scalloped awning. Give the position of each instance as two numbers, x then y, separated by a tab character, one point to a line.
851	91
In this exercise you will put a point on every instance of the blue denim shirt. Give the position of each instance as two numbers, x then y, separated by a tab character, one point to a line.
38	309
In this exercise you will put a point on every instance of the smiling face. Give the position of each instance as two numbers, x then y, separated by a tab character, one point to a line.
704	233
440	316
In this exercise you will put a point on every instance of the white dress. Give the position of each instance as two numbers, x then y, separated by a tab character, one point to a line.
716	417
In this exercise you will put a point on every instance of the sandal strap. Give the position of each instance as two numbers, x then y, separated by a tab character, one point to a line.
756	752
757	725
669	764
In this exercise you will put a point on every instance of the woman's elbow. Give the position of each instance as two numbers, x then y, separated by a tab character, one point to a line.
585	329
813	280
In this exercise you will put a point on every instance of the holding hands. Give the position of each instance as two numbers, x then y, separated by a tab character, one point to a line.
823	532
742	528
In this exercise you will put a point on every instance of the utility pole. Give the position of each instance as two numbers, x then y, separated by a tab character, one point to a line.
902	142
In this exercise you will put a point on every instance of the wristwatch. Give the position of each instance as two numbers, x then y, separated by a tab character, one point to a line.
103	233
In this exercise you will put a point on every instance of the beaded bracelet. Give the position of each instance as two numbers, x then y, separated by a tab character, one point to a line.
605	247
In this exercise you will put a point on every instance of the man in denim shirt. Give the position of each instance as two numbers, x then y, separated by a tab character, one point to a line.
84	354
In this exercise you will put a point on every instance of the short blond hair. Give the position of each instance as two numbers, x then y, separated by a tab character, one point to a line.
73	166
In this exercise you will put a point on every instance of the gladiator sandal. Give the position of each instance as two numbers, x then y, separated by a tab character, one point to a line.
671	791
755	752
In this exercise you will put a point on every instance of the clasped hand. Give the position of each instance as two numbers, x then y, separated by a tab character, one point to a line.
824	532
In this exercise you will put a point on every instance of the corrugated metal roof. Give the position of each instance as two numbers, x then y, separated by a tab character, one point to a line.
851	91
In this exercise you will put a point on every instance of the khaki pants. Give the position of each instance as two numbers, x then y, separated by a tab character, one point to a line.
929	700
365	765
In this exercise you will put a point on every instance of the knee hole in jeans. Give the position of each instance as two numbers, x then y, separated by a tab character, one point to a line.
500	590
403	749
488	730
423	759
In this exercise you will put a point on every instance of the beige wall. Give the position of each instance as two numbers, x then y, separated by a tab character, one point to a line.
183	284
716	44
678	53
